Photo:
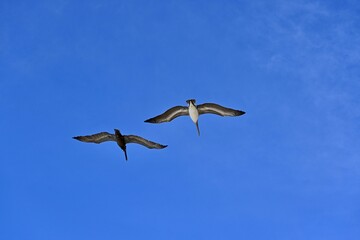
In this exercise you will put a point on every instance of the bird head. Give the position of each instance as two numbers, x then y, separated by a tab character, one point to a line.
193	101
117	131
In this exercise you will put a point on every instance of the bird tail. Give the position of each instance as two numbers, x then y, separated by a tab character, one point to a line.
126	158
197	127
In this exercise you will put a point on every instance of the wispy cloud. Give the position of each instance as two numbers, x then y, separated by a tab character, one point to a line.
317	45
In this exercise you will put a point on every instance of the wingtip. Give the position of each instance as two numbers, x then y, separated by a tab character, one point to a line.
240	113
152	120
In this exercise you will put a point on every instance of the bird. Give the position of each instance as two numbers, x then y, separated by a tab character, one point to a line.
194	112
120	139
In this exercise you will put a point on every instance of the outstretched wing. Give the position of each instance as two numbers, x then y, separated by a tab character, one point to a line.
169	115
219	110
97	138
143	141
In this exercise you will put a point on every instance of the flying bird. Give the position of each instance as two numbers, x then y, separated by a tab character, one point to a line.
194	112
120	139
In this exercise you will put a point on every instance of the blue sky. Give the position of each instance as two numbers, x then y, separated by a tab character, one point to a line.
288	169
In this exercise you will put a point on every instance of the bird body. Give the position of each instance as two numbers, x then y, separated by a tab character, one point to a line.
120	139
194	114
194	111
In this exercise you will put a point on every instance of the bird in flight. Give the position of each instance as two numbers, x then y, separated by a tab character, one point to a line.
120	139
194	112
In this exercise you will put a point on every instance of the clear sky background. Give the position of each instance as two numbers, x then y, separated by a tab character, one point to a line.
288	169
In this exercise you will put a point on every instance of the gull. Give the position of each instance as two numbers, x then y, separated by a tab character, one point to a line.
120	139
194	112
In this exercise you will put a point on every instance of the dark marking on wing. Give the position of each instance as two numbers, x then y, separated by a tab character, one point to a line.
219	110
97	138
143	141
169	115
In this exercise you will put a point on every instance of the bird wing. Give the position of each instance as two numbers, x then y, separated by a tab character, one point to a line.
169	115
143	141
97	138
219	110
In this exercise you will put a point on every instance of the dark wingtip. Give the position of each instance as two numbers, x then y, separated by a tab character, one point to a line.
150	120
160	146
239	113
77	137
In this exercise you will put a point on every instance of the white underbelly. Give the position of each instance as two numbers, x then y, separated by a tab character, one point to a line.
194	114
